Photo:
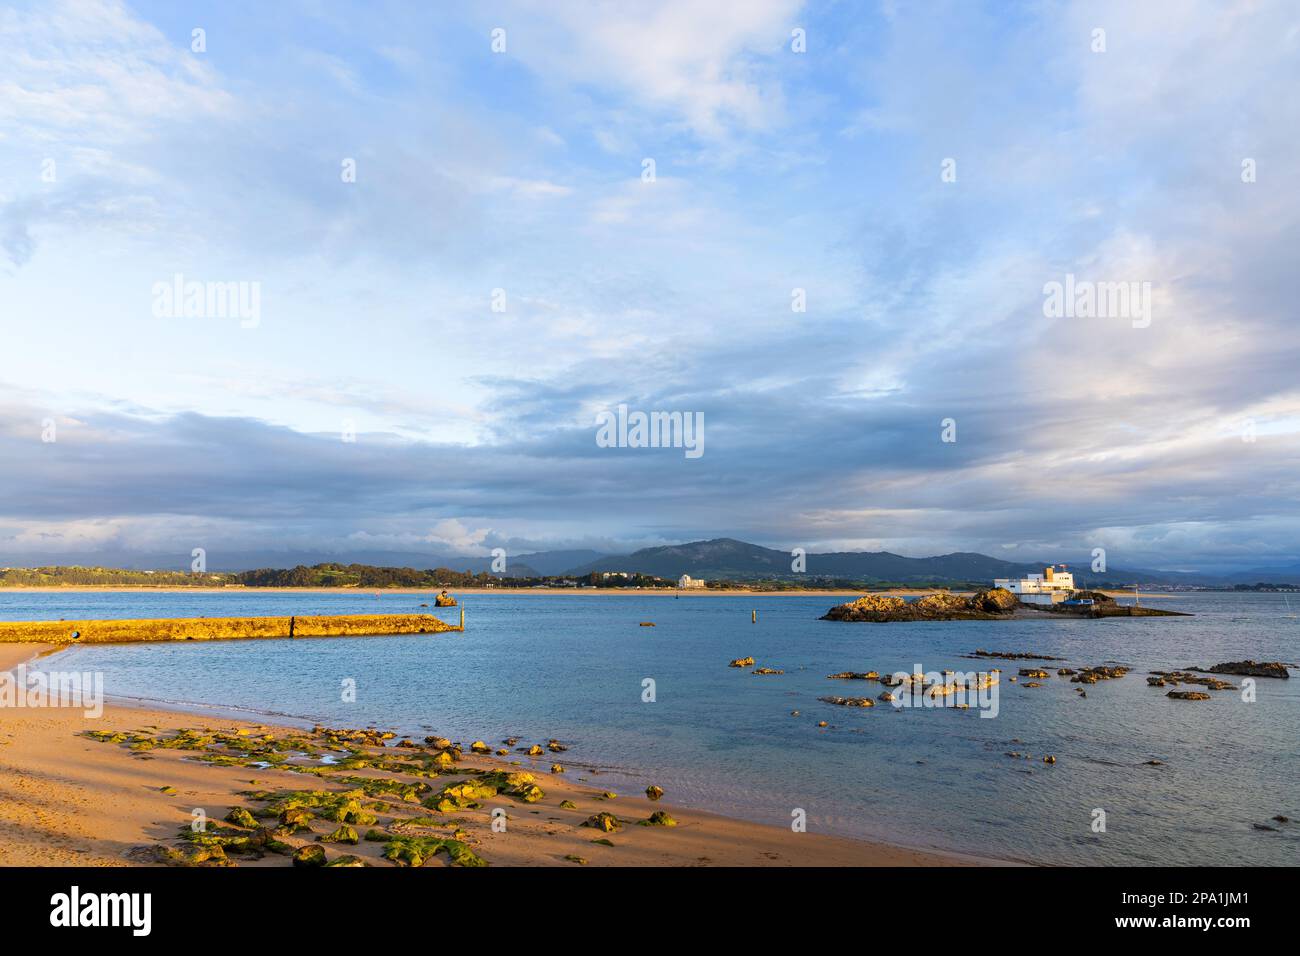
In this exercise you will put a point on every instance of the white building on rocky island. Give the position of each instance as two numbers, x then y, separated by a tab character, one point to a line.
1050	587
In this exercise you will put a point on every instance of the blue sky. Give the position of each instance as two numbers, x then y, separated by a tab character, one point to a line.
1173	444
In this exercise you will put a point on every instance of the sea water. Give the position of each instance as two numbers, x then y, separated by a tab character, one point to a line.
575	667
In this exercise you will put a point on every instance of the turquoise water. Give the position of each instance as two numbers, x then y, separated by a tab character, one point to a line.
719	738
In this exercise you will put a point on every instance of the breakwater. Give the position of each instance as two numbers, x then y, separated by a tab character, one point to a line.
130	631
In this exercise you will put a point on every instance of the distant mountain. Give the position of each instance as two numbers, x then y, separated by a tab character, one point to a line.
1287	574
735	560
555	562
222	561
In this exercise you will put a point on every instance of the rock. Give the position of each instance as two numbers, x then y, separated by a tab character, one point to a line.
1032	683
1161	678
416	850
654	792
1281	819
847	702
344	834
766	670
568	805
555	747
510	741
658	819
309	855
347	861
535	750
886	696
1064	672
983	605
295	819
601	841
609	795
821	723
1033	672
1014	655
502	752
168	790
241	817
1251	669
1155	763
994	601
854	675
574	858
603	821
1049	759
1090	675
1187	695
742	662
444	600
479	747
556	768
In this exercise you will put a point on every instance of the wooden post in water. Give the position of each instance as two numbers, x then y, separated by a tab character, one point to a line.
753	616
462	617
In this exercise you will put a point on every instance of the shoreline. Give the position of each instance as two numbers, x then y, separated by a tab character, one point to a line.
604	592
68	800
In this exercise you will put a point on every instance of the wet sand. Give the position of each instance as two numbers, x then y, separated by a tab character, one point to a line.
68	800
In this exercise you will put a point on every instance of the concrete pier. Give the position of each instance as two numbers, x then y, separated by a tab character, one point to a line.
219	628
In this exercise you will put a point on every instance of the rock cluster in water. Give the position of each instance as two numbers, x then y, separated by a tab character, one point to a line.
989	604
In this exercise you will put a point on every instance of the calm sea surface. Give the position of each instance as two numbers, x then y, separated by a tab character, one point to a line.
719	738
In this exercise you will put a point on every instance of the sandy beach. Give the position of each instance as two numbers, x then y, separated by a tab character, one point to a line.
66	799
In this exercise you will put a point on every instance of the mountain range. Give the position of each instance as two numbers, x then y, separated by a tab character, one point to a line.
717	558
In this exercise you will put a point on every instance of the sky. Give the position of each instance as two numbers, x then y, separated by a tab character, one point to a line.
472	228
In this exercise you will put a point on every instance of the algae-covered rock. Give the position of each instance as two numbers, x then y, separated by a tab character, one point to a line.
658	819
479	747
344	834
574	858
603	821
347	861
310	855
418	850
654	792
1188	695
535	750
556	768
241	817
742	662
568	805
294	820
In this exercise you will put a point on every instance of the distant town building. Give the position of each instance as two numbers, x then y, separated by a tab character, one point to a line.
1050	587
686	581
